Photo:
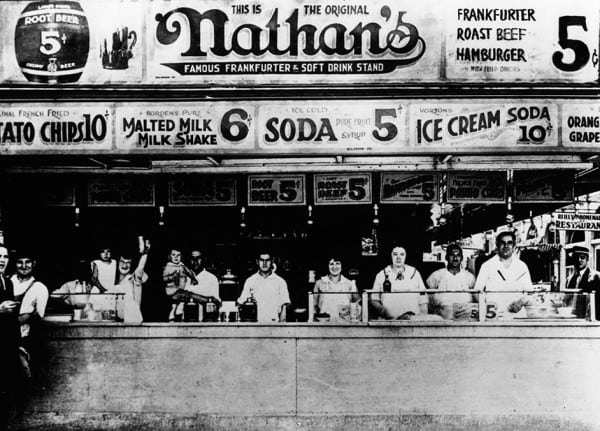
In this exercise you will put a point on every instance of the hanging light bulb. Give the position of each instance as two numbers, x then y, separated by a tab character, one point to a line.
309	221
375	213
76	216
243	217
161	215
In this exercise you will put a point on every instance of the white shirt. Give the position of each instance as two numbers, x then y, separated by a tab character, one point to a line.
443	279
397	304
35	299
495	278
208	285
106	273
332	304
270	292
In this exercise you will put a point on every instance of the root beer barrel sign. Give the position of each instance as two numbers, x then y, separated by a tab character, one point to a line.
52	41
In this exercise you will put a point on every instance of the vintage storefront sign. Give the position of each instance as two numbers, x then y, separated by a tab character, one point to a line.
121	191
48	128
581	124
530	125
325	125
301	127
521	41
76	42
276	190
577	221
403	187
183	127
197	190
543	186
271	43
476	187
332	189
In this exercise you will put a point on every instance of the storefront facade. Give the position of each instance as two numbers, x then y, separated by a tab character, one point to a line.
309	130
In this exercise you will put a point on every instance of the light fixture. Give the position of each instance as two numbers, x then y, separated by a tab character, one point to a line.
243	217
76	216
161	215
309	221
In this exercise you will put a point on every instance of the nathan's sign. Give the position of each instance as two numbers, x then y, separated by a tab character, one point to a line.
476	124
276	190
54	127
476	187
543	186
400	187
577	221
342	189
290	43
273	41
184	127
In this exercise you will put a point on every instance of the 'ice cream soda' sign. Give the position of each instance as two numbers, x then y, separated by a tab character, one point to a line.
529	124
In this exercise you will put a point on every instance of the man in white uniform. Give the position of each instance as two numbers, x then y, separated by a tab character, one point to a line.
33	296
205	285
452	305
504	272
269	290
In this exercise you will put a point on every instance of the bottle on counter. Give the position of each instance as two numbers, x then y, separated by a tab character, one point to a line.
387	284
211	313
249	309
190	311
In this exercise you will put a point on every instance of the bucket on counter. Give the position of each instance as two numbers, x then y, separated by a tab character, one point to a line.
52	41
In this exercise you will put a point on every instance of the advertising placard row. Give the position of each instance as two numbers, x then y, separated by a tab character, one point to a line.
301	127
269	42
328	189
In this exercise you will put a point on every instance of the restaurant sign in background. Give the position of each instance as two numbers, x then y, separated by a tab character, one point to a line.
61	128
276	190
343	188
401	187
197	190
476	187
543	186
272	43
577	221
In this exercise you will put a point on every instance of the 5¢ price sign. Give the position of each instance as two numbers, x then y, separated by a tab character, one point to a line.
266	190
200	190
342	189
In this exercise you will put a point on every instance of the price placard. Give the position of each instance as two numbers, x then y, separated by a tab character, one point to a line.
342	189
276	190
480	187
400	187
121	191
196	190
543	186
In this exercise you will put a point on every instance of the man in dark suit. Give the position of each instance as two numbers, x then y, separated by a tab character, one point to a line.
9	339
585	279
